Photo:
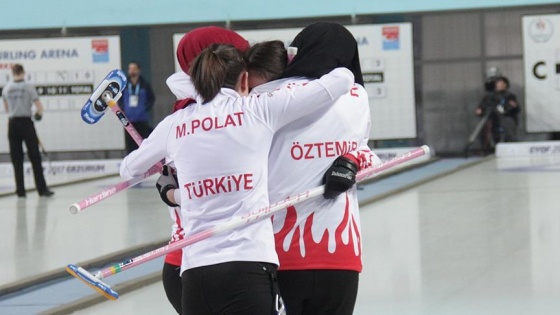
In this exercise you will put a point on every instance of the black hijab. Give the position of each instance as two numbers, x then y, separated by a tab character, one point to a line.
322	47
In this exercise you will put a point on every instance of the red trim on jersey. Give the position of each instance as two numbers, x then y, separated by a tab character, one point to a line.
180	104
365	158
317	255
353	159
175	258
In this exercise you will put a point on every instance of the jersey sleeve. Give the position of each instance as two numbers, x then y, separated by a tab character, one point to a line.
282	106
363	156
181	86
152	150
32	92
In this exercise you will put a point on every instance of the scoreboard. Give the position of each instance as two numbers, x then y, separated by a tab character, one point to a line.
65	71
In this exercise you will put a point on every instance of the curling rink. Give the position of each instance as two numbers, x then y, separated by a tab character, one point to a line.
482	240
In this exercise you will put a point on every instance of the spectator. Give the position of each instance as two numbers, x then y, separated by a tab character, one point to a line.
136	102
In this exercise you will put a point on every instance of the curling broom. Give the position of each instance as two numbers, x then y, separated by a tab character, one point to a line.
96	281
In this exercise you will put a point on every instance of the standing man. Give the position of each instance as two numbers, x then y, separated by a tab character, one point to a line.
136	102
18	97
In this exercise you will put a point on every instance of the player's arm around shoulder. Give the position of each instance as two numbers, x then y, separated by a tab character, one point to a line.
356	104
359	95
152	150
291	102
359	102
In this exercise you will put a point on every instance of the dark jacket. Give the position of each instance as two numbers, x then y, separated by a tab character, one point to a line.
493	101
145	95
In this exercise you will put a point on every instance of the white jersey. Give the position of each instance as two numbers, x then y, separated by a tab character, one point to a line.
220	150
180	85
319	233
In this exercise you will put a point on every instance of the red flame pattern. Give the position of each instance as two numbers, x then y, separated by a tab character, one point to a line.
304	253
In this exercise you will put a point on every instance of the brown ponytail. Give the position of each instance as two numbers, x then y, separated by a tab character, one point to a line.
216	67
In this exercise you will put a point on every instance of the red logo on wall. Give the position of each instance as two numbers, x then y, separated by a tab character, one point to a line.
391	40
100	50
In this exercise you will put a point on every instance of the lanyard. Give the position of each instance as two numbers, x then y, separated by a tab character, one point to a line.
136	90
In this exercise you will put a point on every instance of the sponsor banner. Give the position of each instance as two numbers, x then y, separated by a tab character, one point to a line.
65	71
386	58
515	149
529	164
60	172
541	53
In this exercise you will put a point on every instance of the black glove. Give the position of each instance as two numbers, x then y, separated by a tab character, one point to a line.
38	116
340	177
167	181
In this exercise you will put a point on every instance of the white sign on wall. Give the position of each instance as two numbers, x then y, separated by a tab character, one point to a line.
387	65
541	47
65	71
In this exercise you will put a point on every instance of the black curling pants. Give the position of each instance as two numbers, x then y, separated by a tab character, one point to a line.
21	129
325	292
171	276
231	288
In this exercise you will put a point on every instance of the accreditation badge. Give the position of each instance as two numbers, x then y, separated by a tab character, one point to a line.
133	100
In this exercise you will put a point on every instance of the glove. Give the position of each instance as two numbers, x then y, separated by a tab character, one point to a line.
38	116
167	181
340	177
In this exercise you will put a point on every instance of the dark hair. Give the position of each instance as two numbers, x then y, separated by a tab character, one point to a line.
216	67
17	69
502	78
490	83
267	59
135	63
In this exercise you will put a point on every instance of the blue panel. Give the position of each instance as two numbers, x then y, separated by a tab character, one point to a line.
28	14
135	47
